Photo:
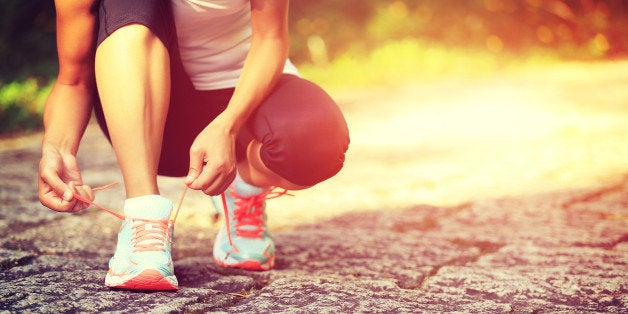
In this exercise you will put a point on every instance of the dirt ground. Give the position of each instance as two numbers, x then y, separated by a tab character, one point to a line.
452	141
524	132
504	193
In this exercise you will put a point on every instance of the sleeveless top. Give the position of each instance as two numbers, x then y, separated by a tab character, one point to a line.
214	37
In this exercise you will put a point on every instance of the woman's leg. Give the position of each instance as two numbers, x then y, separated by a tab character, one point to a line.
295	139
299	137
133	77
252	169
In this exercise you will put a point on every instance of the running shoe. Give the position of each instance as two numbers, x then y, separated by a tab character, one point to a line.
143	259
244	240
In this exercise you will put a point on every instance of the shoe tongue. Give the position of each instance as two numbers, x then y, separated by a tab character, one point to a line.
249	192
153	207
245	189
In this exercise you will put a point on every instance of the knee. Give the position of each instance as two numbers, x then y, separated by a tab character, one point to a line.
307	150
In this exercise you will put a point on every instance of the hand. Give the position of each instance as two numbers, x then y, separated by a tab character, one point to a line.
212	160
60	177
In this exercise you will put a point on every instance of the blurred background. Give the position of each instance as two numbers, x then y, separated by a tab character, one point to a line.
349	43
447	101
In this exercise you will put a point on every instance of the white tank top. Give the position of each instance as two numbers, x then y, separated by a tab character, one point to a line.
214	38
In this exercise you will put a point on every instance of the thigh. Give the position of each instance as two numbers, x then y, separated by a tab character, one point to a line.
185	115
154	14
303	132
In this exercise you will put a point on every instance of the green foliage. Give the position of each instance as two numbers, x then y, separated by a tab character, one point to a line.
21	105
400	62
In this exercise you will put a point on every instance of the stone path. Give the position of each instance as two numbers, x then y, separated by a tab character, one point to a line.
519	220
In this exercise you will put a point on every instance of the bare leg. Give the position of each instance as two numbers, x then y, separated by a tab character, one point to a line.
133	77
253	170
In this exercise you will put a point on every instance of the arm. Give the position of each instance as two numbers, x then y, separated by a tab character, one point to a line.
264	63
68	107
262	69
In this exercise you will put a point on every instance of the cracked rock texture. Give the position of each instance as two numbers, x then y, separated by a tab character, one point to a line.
534	249
419	259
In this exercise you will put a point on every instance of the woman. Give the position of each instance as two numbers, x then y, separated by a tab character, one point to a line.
213	99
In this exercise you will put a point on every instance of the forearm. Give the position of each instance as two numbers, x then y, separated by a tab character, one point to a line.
263	65
262	69
212	155
69	104
66	114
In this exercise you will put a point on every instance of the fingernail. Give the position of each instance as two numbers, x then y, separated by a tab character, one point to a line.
67	195
188	179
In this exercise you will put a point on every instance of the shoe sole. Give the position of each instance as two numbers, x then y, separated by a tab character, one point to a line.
249	264
148	279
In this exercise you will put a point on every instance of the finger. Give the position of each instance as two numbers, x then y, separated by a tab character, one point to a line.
86	192
57	204
220	183
52	200
90	194
196	165
207	179
78	204
211	191
51	178
226	183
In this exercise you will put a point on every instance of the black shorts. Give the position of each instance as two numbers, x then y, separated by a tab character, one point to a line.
303	133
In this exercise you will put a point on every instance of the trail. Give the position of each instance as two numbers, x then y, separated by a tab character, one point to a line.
530	131
500	193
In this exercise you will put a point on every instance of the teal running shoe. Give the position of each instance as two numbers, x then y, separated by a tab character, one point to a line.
143	259
244	240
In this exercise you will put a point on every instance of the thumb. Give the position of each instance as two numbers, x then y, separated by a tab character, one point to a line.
85	191
196	166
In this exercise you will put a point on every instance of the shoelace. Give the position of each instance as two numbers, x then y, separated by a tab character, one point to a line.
173	217
242	204
248	214
148	234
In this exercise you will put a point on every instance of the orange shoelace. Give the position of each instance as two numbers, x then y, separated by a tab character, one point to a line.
173	216
248	213
151	235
